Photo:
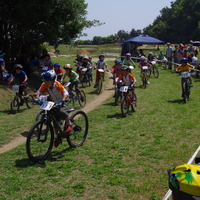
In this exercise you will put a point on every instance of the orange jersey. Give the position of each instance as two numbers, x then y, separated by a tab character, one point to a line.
56	93
128	79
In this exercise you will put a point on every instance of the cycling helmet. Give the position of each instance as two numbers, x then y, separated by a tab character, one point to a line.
124	67
1	60
185	60
184	181
142	58
48	75
150	53
118	62
101	55
56	65
128	54
86	57
67	66
18	66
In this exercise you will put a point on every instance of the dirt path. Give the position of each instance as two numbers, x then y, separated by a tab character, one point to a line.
89	107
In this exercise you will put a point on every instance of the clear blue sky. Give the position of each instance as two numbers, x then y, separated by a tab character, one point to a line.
122	15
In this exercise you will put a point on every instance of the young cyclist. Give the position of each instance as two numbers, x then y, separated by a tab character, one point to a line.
184	182
58	71
126	78
58	94
100	64
143	63
185	67
22	80
128	61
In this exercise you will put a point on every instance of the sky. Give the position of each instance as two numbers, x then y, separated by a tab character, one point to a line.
122	15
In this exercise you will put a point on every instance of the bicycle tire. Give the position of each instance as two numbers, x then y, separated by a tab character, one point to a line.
14	105
124	107
117	96
144	80
78	135
184	92
70	103
81	98
134	104
99	86
155	72
39	115
30	102
39	142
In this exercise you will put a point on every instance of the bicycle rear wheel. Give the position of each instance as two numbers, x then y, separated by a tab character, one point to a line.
14	105
79	133
29	101
124	107
134	103
39	142
155	72
81	98
99	86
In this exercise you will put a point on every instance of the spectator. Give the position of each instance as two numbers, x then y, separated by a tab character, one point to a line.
169	53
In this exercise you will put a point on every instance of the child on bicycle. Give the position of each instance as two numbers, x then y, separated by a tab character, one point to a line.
116	70
184	182
128	61
22	79
127	78
58	94
58	71
143	63
185	67
100	64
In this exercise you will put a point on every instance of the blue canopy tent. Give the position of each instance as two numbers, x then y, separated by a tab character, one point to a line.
130	45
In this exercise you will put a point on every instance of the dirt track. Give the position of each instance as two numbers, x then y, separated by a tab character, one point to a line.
89	107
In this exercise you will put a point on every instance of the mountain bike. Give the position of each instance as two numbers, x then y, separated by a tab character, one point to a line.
145	76
185	85
128	100
100	80
78	96
154	69
86	77
17	101
41	136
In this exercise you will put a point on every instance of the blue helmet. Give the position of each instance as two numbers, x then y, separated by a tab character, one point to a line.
56	65
1	60
118	62
48	75
185	60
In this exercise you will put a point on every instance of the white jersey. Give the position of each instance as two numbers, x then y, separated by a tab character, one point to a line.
101	64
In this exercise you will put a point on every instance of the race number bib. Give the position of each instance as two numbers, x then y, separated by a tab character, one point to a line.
47	105
123	89
145	67
185	74
15	88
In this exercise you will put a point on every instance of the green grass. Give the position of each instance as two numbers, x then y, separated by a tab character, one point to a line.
122	158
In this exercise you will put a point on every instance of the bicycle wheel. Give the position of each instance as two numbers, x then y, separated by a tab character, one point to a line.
124	107
134	103
155	72
144	81
117	96
184	88
79	133
39	115
39	142
99	86
70	103
81	98
29	101
15	104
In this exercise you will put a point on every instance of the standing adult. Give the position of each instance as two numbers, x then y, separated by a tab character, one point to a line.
169	53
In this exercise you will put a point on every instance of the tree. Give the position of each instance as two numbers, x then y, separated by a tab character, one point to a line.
25	25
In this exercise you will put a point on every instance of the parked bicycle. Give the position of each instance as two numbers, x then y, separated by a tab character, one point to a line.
128	100
41	136
78	96
185	83
17	101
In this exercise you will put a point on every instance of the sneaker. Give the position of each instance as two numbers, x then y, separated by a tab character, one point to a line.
148	82
191	85
57	141
68	128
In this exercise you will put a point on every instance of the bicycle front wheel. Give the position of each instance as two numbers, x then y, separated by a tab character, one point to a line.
81	98
99	86
29	101
144	81
134	103
185	97
79	133
14	105
124	107
39	142
155	72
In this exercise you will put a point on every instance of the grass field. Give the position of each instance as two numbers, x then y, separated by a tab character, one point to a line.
122	158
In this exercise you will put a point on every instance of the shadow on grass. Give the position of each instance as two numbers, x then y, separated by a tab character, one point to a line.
116	115
179	101
25	134
9	112
25	162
